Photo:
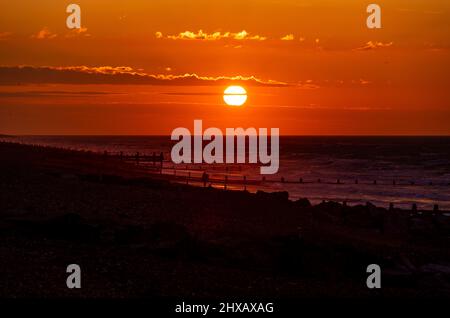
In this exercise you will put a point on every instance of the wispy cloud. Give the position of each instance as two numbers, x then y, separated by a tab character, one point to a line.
215	36
316	84
373	45
308	84
34	94
287	37
13	75
77	32
364	82
44	34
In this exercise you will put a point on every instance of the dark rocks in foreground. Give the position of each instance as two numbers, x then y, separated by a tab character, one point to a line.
137	236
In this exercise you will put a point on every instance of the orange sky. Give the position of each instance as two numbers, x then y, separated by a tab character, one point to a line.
124	72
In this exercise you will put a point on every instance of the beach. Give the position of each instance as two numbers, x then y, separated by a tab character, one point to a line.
140	236
356	169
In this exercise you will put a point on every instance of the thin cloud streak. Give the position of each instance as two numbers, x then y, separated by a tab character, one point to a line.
16	75
373	45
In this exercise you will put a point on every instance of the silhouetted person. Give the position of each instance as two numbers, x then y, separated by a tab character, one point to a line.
205	178
344	212
137	157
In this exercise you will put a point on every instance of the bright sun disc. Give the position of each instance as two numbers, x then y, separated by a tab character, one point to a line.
235	96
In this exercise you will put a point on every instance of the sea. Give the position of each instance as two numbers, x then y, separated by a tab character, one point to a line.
381	170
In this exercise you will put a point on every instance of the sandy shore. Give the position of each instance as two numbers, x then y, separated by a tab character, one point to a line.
138	237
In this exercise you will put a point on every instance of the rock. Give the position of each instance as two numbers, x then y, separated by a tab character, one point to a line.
302	203
330	206
70	227
282	196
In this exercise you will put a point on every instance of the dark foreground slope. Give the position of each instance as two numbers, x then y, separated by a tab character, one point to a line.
138	237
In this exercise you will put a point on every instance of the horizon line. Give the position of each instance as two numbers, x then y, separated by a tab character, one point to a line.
168	135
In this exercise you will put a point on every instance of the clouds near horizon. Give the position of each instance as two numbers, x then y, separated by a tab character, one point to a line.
17	75
287	37
44	34
373	45
215	36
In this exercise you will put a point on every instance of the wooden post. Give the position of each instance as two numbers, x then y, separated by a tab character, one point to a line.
414	207
245	183
225	184
188	177
121	155
436	208
301	180
391	206
374	182
356	181
283	180
137	157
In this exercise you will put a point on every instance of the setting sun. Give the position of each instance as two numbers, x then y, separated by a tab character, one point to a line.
235	96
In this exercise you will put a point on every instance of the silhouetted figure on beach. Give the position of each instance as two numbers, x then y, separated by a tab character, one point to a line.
205	178
137	157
